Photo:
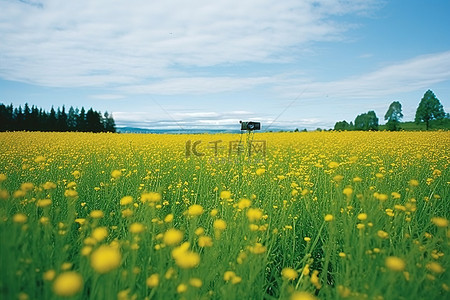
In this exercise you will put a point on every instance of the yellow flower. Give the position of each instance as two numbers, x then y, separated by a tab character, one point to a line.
396	195
71	194
381	197
196	282
382	234
333	165
315	280
289	274
26	186
66	266
195	210
76	174
105	259
116	174
125	295
49	275
151	197
254	214
49	185
67	284
80	221
225	195
439	221
338	178
96	214
137	228
302	296
205	241
4	194
152	281
435	267
328	218
395	263
343	291
228	275
306	270
126	200
307	239
100	233
236	280
168	218
185	258
3	177
348	191
199	231
244	203
20	218
260	171
258	248
414	182
181	288
379	176
362	216
220	224
214	212
127	213
19	194
357	179
86	250
173	237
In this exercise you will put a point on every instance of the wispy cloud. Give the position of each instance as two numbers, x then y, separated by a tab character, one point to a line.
415	74
196	85
99	43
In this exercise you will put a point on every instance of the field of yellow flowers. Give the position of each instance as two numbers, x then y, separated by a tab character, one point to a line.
319	215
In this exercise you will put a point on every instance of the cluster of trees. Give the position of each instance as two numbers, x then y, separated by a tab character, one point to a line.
429	109
37	119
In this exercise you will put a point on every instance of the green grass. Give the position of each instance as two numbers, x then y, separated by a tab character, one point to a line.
400	180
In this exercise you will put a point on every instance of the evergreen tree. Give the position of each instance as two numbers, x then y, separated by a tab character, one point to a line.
108	123
35	119
72	119
61	123
81	120
51	120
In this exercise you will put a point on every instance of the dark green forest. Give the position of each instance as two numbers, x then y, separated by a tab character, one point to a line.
36	119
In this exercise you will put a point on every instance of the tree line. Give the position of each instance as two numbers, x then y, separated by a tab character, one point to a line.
36	119
429	109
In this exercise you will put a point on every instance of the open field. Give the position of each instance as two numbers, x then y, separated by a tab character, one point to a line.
326	215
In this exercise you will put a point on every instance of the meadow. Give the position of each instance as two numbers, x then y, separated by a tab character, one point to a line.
307	215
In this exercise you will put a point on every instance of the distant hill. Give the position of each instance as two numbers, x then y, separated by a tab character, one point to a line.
173	131
188	131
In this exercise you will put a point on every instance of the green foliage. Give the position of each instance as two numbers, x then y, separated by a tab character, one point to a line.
429	109
343	125
366	121
394	115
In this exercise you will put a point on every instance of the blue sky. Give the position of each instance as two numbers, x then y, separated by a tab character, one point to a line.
208	64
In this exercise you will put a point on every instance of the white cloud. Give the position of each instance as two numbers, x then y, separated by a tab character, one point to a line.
196	85
104	43
415	74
